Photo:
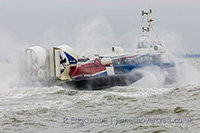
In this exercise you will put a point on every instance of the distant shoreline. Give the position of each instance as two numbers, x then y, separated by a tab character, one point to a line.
191	56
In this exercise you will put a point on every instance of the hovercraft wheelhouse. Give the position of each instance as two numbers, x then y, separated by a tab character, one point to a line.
62	66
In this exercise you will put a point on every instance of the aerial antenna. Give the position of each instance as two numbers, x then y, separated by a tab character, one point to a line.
146	13
148	20
149	24
147	29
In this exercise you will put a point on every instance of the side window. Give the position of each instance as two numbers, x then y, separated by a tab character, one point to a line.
146	44
145	59
115	62
133	61
151	44
155	59
122	62
139	60
138	44
128	61
151	59
142	44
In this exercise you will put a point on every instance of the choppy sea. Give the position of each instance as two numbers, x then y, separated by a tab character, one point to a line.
145	106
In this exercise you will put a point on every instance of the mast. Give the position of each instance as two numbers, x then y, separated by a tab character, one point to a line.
147	28
149	23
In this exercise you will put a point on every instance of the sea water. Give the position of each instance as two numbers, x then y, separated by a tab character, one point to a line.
145	106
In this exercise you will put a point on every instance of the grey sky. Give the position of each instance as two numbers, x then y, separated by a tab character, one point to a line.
54	22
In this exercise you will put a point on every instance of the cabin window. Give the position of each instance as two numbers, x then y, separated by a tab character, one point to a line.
134	61
89	61
151	44
139	59
131	61
155	59
145	45
145	59
122	61
151	59
128	61
115	62
140	44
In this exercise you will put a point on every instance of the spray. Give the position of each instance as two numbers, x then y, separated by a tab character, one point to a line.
95	37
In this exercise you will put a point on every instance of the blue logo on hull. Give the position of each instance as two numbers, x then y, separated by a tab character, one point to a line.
71	59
